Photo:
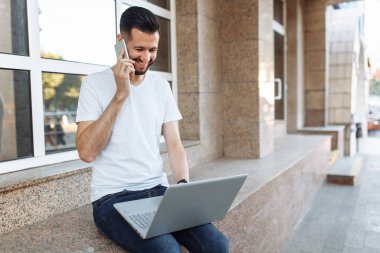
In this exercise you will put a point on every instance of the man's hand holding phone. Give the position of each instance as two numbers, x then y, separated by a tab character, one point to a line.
122	71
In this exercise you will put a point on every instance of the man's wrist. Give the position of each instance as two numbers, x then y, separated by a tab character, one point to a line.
182	181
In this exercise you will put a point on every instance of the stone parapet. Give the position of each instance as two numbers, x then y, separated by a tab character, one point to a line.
278	192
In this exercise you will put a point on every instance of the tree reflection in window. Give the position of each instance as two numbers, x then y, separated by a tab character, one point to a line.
61	93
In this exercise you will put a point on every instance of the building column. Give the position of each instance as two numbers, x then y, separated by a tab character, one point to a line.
248	89
315	63
188	68
295	65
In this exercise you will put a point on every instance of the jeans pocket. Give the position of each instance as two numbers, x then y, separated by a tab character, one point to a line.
106	199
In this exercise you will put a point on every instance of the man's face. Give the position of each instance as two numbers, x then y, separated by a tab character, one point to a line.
142	48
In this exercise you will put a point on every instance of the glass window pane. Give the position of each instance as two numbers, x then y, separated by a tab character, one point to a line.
162	3
82	31
60	92
15	115
13	27
278	11
162	62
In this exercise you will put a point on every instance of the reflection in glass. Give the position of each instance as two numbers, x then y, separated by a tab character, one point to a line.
13	27
82	31
162	3
279	56
61	93
15	115
162	62
278	11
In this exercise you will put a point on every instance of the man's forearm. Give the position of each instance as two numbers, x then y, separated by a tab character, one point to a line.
178	163
94	138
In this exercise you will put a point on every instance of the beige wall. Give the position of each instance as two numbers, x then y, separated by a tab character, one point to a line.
295	65
315	63
199	75
248	78
225	76
344	49
225	69
188	66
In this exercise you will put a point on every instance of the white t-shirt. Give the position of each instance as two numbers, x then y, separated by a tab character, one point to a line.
131	159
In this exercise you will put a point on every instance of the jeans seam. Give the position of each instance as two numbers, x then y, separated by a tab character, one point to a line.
194	235
111	197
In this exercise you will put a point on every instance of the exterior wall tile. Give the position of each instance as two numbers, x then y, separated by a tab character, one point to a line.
210	64
241	117
19	208
315	41
267	132
315	80
211	125
240	20
186	7
189	107
314	5
315	21
315	61
210	9
240	61
187	50
315	118
315	100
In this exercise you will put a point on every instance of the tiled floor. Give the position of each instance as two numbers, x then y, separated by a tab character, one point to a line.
344	219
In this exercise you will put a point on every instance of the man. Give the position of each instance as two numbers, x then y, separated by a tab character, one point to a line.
121	113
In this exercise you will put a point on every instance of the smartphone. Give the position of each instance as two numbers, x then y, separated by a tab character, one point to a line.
120	45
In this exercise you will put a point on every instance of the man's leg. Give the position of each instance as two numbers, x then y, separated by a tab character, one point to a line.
111	223
202	239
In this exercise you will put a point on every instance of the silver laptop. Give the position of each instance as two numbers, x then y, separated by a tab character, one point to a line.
182	206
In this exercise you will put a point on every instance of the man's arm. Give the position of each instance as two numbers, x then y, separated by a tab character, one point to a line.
92	136
177	154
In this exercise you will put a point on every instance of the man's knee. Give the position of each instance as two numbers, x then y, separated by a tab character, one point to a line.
218	244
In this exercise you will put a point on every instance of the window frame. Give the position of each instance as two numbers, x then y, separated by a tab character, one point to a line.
35	64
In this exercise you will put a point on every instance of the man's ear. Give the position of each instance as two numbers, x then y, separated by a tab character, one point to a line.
119	37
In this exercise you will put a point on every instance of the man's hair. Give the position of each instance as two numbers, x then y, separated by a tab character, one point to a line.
140	18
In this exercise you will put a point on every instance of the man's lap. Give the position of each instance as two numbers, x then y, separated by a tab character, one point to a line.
205	238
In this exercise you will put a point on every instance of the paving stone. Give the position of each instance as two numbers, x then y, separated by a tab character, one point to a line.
344	219
330	250
372	240
353	250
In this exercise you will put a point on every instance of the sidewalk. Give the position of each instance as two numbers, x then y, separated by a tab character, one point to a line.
344	219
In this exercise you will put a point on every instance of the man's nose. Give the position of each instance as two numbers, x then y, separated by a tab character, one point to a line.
145	57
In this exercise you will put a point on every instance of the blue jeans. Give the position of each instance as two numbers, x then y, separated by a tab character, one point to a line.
204	238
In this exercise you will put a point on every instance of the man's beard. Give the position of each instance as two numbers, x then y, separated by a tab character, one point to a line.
140	73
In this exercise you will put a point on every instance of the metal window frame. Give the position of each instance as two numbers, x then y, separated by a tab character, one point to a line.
36	65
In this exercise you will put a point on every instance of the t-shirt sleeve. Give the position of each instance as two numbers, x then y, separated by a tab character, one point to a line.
89	107
171	109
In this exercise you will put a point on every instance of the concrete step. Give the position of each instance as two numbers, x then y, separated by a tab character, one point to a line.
345	171
334	156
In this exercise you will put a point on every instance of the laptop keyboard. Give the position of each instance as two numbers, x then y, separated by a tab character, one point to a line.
143	220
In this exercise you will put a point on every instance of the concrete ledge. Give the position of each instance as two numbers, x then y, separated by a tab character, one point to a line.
335	131
278	192
32	195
